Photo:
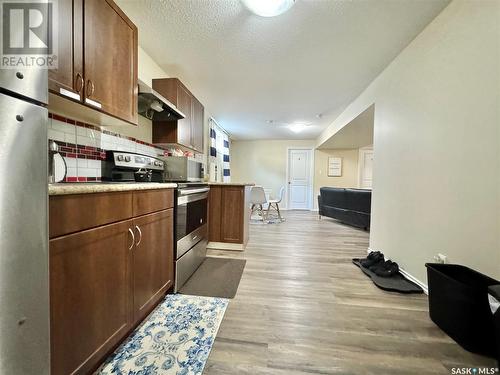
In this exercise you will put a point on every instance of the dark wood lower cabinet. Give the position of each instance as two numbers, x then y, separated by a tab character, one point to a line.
232	214
153	260
229	213
105	280
90	296
214	213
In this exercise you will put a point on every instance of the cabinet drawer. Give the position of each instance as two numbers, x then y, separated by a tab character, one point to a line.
145	202
74	213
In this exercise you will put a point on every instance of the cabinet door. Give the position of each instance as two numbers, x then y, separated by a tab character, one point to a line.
90	296
232	214
214	213
197	128
184	103
153	259
67	79
110	45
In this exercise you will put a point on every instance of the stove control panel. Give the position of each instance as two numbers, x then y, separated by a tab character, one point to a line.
135	161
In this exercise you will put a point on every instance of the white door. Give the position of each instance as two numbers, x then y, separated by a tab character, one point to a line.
299	179
366	169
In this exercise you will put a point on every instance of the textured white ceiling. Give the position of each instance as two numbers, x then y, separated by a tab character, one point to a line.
245	69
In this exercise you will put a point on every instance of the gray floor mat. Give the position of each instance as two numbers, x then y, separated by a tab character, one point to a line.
216	277
397	283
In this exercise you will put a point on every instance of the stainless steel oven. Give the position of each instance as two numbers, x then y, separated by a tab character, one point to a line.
191	230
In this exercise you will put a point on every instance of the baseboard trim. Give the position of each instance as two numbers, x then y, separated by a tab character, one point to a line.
409	276
226	246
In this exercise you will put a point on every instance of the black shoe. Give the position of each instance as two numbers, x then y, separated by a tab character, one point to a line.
386	269
372	259
375	266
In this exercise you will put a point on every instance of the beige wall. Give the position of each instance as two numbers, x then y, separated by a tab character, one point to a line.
349	176
436	179
148	68
263	162
147	71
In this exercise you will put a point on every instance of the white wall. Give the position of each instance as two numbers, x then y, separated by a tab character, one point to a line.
436	176
263	162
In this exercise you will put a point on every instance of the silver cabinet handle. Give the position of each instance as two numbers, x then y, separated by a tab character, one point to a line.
90	88
80	83
140	235
133	238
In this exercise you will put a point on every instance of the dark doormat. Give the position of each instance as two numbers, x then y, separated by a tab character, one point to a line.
396	283
216	277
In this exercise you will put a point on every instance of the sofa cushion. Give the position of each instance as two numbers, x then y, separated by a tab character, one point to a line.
334	197
350	206
359	200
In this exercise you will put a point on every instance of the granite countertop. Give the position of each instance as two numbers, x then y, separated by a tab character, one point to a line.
103	187
232	183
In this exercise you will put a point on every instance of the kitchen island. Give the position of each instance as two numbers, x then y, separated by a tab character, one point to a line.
229	215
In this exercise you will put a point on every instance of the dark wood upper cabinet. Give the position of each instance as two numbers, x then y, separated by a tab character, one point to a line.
90	296
184	102
198	128
110	45
97	57
153	260
68	79
187	132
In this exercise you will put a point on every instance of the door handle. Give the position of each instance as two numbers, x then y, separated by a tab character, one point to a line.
133	238
79	83
91	88
140	235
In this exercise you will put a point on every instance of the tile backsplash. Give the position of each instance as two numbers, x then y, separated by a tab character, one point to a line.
83	146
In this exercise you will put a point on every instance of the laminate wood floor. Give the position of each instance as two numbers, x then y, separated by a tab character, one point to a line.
302	307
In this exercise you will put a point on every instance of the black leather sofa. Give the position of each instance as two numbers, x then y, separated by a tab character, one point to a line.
350	206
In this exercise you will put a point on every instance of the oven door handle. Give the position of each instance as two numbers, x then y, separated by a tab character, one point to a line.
183	199
193	191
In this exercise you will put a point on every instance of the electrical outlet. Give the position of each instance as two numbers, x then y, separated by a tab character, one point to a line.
441	258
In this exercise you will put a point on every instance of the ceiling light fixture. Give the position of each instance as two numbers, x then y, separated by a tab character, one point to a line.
268	8
297	128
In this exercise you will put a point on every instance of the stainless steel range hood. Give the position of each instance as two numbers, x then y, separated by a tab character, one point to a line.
153	106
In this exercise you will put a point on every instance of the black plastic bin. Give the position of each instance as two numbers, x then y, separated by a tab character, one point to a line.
494	298
458	304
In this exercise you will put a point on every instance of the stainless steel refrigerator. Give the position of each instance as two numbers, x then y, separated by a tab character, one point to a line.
24	282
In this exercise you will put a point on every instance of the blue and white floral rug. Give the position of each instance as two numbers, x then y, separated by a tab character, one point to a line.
175	339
